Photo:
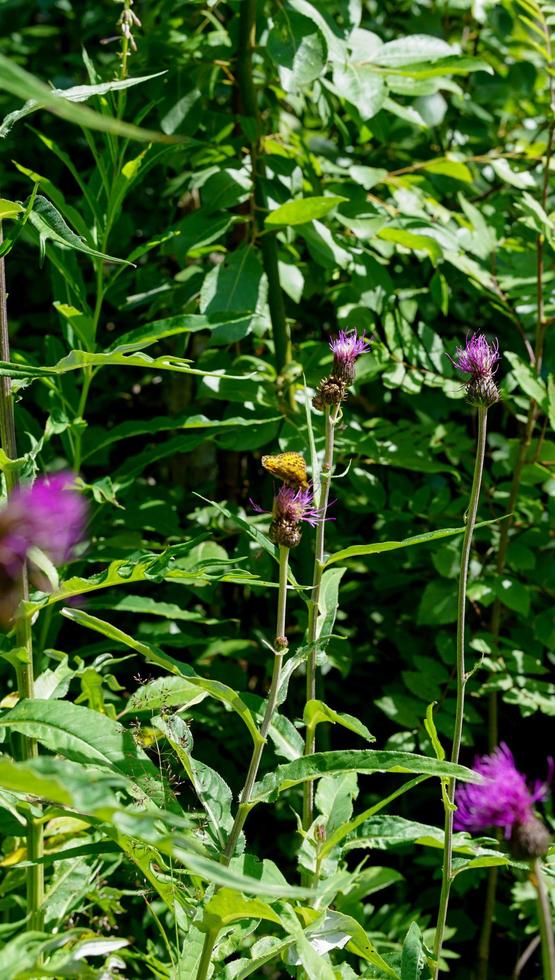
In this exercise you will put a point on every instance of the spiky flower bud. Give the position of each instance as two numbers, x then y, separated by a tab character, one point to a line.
286	533
330	391
479	359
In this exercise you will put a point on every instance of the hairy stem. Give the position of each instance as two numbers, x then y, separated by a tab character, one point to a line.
245	805
447	870
23	634
267	240
331	416
545	917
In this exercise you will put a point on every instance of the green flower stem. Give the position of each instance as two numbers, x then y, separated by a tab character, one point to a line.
545	917
536	359
245	805
331	417
23	634
447	871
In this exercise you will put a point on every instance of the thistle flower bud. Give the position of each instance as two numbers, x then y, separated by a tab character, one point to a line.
330	391
479	359
285	533
529	840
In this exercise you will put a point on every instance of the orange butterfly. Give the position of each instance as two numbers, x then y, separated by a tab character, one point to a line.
289	467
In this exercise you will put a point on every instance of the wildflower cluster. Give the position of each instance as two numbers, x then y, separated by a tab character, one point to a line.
503	799
46	517
478	358
346	348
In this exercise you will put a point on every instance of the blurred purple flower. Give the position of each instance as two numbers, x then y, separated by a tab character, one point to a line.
49	516
501	799
477	357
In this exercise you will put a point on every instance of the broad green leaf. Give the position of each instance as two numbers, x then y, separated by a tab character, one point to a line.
354	760
316	712
412	241
334	799
361	86
450	65
528	380
413	48
169	688
21	83
413	958
85	736
227	906
10	209
357	550
304	209
221	328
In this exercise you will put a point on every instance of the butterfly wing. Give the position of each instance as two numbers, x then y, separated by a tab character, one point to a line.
289	467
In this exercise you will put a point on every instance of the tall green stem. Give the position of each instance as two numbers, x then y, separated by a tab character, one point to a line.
447	871
245	805
331	416
23	634
525	443
545	917
267	239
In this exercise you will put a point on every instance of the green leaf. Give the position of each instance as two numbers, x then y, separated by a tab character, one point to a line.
76	360
358	550
212	791
168	688
10	209
48	222
412	241
304	209
223	328
21	83
413	957
87	737
316	712
227	906
412	48
354	760
77	93
360	85
528	380
328	602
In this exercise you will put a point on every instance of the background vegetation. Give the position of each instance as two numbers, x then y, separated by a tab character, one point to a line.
418	137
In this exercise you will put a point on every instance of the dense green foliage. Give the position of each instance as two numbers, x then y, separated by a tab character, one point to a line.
298	168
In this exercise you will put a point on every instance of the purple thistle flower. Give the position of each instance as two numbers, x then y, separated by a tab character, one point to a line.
347	346
48	516
477	358
501	799
295	506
